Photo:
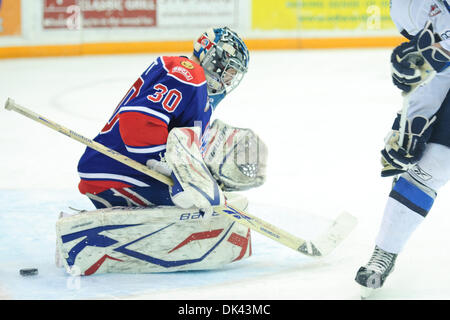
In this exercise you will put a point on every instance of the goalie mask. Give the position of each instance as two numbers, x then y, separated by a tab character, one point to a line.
224	57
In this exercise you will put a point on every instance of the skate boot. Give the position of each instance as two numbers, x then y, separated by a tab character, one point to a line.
374	273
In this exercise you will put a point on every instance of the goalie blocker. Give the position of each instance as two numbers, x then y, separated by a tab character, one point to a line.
146	240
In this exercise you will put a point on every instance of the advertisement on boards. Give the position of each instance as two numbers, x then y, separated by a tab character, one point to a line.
321	15
86	14
75	14
10	17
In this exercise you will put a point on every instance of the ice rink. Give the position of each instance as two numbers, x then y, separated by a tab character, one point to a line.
322	113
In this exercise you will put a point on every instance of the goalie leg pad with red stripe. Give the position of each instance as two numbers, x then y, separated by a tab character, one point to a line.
145	240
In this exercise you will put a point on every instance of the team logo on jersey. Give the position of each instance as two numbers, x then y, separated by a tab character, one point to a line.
187	64
445	35
434	10
183	71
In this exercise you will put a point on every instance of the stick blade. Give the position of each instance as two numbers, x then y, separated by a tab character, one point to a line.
327	242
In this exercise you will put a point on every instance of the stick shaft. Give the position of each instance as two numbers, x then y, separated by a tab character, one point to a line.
404	112
235	214
261	226
11	105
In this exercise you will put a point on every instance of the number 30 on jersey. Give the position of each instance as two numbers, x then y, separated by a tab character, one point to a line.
170	98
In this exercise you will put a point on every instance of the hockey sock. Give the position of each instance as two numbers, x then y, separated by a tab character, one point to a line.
412	197
407	206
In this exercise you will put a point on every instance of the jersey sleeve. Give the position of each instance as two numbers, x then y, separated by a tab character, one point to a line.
167	94
427	100
410	16
142	134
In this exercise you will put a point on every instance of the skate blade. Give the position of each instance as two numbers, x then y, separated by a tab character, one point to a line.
365	292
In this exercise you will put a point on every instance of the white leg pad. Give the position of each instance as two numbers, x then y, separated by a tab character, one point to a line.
145	240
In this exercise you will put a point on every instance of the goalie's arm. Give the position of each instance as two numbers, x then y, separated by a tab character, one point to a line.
140	131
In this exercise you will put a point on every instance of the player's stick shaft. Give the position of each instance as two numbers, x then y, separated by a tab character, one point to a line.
239	216
429	74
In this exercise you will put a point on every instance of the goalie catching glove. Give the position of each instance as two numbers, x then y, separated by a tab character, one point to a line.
236	157
396	158
413	61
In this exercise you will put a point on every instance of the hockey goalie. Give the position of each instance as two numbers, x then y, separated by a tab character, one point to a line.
145	224
187	236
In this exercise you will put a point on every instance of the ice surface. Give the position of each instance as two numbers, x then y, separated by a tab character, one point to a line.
323	115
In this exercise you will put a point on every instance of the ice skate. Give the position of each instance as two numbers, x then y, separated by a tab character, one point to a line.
374	273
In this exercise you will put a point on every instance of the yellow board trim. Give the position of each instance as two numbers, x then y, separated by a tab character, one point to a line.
186	46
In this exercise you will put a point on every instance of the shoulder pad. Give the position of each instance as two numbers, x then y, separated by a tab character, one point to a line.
184	70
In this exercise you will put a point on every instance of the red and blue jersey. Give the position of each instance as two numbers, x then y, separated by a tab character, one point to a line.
170	93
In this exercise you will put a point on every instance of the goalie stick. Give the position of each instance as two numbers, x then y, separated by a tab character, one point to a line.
321	246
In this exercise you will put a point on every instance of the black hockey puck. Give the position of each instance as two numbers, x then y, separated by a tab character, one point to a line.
28	272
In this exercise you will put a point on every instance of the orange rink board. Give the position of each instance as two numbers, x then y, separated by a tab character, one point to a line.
10	17
186	46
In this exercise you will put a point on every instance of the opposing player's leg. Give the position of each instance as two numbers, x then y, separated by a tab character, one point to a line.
411	198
